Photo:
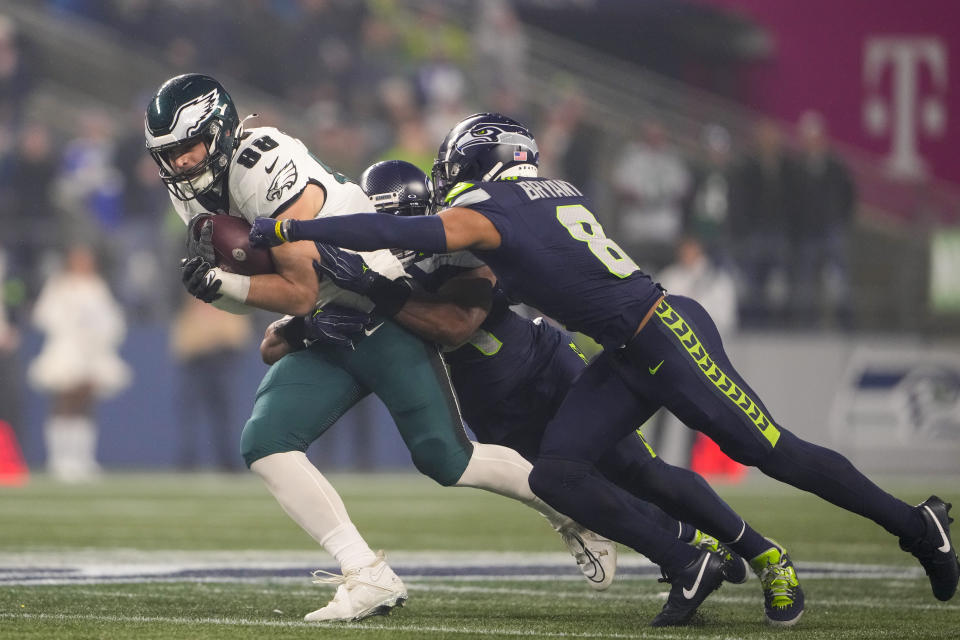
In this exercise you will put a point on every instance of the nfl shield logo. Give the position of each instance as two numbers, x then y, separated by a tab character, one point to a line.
519	156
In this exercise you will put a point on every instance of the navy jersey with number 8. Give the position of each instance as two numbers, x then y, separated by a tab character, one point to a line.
555	256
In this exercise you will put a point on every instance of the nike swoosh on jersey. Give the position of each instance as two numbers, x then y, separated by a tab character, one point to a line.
689	593
653	370
370	332
272	165
945	547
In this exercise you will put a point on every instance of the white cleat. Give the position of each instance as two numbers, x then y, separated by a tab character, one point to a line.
595	555
369	591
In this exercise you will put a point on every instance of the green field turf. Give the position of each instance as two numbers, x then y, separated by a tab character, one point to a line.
858	583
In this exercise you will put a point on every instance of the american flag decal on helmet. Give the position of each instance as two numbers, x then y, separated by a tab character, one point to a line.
519	156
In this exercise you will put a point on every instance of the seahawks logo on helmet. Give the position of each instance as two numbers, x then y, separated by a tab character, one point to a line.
484	133
286	178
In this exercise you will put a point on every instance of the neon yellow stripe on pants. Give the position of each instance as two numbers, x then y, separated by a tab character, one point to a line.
713	373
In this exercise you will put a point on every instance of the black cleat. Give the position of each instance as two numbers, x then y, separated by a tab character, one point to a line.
934	549
689	588
734	567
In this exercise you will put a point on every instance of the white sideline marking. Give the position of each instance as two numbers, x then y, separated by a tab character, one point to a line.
410	629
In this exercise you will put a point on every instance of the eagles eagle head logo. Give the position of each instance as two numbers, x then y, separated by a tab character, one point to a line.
285	178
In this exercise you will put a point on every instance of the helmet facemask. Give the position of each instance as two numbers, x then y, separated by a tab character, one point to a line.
187	184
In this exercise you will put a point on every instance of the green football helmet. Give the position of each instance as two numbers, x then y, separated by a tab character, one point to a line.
185	110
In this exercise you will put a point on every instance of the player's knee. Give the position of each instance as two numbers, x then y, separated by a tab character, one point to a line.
260	439
552	478
437	459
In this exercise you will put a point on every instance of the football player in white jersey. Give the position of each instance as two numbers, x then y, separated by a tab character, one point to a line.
211	164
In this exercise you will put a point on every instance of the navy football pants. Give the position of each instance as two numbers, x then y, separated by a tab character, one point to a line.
678	361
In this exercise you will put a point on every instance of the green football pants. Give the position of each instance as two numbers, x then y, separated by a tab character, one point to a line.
305	392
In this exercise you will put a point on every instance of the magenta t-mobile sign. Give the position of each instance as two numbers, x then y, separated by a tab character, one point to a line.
905	108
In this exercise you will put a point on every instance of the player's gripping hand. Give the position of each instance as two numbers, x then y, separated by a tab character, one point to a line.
350	271
337	325
347	270
200	279
269	232
202	246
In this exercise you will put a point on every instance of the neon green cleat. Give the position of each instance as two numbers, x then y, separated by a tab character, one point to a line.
782	595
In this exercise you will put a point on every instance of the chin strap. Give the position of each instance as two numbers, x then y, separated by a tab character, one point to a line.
240	129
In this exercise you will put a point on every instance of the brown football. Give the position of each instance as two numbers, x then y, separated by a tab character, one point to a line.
231	243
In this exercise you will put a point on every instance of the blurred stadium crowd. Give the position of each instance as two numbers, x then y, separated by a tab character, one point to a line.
363	81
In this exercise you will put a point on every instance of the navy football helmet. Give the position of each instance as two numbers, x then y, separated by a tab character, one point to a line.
481	148
185	110
397	187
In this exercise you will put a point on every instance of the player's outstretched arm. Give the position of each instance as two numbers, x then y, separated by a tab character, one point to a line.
452	314
449	316
450	230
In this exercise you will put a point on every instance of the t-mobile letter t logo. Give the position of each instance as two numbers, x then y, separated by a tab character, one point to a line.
905	113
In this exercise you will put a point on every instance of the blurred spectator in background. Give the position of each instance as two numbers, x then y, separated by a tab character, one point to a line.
696	275
412	143
10	375
500	46
821	273
208	345
710	202
569	141
89	186
28	196
767	181
15	78
78	364
651	180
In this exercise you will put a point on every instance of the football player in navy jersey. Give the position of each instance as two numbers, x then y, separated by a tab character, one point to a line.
511	373
546	248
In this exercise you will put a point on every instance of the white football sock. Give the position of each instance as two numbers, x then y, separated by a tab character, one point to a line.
506	472
315	505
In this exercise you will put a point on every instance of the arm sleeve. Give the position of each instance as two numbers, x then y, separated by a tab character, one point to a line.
369	231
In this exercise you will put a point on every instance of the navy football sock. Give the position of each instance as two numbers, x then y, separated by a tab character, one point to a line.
831	476
749	544
687	532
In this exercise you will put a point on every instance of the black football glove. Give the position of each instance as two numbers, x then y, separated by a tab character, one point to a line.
199	280
202	246
292	329
347	270
350	271
336	325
